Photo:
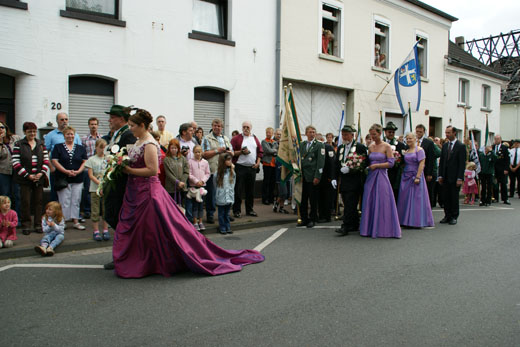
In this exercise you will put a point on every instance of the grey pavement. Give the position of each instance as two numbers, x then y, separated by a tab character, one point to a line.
447	286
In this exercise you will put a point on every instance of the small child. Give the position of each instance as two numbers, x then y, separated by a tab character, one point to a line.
53	225
96	166
470	184
225	191
199	175
8	223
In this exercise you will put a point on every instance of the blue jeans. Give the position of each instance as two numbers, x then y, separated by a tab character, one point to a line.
188	206
52	239
197	209
210	197
223	217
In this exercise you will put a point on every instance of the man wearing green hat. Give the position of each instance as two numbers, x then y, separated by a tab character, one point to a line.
351	183
394	173
312	159
122	137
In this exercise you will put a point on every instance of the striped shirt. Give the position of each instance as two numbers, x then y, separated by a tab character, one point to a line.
21	170
89	142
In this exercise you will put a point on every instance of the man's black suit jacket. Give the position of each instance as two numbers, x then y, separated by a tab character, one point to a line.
452	166
353	181
503	159
429	163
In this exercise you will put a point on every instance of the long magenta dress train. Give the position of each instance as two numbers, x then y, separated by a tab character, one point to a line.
413	204
378	213
154	237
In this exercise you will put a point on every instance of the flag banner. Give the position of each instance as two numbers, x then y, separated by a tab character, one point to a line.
341	123
289	148
383	125
407	122
473	155
359	139
487	132
407	81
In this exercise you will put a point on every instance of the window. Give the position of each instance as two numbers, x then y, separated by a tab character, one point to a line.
331	30
14	4
486	95
108	8
381	44
463	92
209	17
422	54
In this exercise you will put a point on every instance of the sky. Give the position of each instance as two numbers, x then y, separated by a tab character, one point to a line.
480	18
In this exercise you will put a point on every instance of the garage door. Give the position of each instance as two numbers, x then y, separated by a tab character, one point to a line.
208	104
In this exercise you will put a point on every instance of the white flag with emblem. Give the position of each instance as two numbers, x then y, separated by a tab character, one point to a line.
407	81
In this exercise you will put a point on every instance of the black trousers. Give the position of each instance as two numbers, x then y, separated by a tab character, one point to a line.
32	201
437	194
268	184
350	209
451	200
514	182
245	184
309	192
486	185
430	185
501	185
325	193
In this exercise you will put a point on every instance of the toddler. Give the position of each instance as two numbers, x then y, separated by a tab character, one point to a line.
8	222
470	184
225	191
96	166
199	175
53	225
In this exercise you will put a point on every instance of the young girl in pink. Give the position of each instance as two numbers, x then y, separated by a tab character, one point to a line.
470	183
8	222
199	175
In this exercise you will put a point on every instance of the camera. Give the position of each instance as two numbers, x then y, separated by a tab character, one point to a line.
184	148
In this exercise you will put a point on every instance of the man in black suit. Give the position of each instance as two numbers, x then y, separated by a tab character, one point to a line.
429	163
325	190
351	184
451	174
394	173
122	137
501	169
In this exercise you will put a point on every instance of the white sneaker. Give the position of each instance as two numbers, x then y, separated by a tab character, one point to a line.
286	202
7	243
79	226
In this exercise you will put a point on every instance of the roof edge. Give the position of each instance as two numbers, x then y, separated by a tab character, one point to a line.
433	10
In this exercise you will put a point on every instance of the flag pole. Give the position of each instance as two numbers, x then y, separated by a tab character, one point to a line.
386	85
410	115
299	220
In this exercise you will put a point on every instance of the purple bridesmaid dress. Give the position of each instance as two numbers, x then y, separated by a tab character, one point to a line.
379	214
413	204
154	237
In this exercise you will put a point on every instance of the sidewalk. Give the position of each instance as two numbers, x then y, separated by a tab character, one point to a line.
82	239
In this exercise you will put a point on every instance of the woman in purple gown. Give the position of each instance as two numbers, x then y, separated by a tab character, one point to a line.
153	236
413	204
379	214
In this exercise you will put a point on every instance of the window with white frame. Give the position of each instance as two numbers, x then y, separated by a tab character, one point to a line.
381	44
422	54
331	29
109	8
210	17
486	95
463	92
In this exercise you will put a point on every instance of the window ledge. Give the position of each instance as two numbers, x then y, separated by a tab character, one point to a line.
463	106
92	18
485	109
425	80
381	69
330	57
14	4
210	38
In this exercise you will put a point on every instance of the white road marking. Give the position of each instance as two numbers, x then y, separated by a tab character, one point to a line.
270	239
58	266
480	209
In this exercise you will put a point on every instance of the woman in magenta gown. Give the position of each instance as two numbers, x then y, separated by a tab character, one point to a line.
413	204
378	213
153	236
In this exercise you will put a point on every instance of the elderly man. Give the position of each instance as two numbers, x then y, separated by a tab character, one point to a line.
89	142
501	169
54	138
247	154
166	136
351	185
214	145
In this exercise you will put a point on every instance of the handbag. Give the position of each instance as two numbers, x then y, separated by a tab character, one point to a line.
472	182
60	182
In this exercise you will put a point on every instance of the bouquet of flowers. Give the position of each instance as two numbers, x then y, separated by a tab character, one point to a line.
117	160
398	157
356	162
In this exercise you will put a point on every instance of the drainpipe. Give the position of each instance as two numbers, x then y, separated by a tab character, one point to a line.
277	81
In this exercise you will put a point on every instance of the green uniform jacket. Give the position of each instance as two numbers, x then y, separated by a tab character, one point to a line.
487	163
313	160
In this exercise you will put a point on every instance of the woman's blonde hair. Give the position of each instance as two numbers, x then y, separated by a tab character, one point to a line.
56	207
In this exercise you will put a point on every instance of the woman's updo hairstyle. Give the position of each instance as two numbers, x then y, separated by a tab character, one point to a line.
378	128
141	117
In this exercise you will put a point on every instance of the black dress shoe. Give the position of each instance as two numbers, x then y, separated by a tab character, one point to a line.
231	218
444	220
252	214
237	214
109	266
210	220
452	221
342	231
507	202
323	220
310	225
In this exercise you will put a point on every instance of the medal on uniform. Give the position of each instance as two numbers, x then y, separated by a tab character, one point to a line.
341	150
354	149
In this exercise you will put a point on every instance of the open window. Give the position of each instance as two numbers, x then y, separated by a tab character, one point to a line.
331	29
381	43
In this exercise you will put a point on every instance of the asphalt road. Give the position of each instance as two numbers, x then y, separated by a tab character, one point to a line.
447	286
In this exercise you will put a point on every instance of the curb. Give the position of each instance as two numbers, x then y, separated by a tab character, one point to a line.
82	244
